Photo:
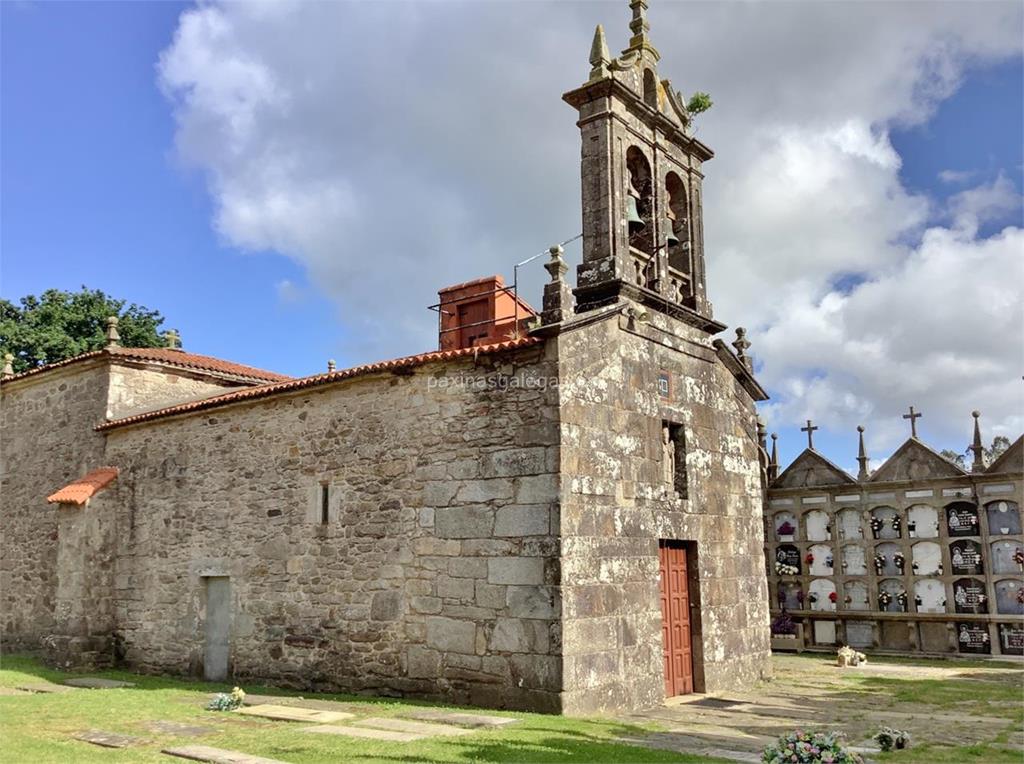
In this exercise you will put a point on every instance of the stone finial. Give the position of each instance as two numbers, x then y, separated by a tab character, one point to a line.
639	26
976	447
761	431
773	463
113	338
742	344
8	370
557	293
913	416
173	339
599	56
862	456
331	366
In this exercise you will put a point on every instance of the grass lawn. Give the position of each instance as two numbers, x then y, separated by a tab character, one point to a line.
973	713
37	728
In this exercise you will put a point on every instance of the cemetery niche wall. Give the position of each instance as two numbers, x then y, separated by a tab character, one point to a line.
918	556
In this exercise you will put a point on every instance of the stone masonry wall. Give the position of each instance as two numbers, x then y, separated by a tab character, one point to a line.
436	573
46	440
616	506
134	388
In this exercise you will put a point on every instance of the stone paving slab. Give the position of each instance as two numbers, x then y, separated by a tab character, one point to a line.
364	732
45	687
217	755
10	691
427	729
166	727
108	739
97	683
294	714
460	719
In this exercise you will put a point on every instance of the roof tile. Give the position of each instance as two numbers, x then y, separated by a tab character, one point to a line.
83	489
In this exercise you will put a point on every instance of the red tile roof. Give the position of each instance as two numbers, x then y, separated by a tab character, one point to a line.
263	391
83	489
165	356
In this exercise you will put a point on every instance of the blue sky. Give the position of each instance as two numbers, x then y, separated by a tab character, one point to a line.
96	191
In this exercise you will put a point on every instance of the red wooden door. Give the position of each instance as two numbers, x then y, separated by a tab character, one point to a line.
675	619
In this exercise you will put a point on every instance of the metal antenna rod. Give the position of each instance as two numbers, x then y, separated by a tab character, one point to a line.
515	276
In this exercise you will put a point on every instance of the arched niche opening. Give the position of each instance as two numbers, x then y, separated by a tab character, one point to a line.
886	523
889	560
929	596
965	558
854	562
785	526
820	561
892	596
926	559
1003	518
822	594
677	231
1009	597
962	519
639	210
1007	556
969	596
790	595
922	522
856	596
818	526
850	528
650	88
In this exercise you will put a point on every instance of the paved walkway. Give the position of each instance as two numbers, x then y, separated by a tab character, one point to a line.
813	695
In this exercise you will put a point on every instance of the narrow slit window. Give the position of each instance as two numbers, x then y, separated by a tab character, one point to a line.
325	503
673	446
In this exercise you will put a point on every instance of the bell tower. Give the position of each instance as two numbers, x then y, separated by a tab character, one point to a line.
643	233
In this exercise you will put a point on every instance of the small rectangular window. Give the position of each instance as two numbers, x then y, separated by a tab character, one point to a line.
673	447
325	503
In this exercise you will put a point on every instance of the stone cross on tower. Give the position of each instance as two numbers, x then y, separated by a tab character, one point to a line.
809	429
976	446
862	455
913	417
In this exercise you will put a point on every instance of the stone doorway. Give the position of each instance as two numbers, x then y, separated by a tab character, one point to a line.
216	649
676	631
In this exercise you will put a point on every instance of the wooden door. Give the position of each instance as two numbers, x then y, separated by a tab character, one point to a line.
675	619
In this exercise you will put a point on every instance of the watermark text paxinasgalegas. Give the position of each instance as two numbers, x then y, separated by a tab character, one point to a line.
484	382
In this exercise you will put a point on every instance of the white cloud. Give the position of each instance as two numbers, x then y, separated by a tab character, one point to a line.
393	148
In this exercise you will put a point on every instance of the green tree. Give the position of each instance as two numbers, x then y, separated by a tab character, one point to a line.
58	325
999	444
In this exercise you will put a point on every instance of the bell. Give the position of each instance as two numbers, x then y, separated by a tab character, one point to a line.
672	238
636	223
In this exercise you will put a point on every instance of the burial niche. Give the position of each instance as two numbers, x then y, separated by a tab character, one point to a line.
854	563
969	596
850	528
790	595
926	559
787	560
962	519
1007	556
886	523
922	522
892	596
785	526
889	560
929	596
973	638
1011	638
819	526
860	633
822	594
1003	518
824	632
820	561
856	596
1009	597
965	558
